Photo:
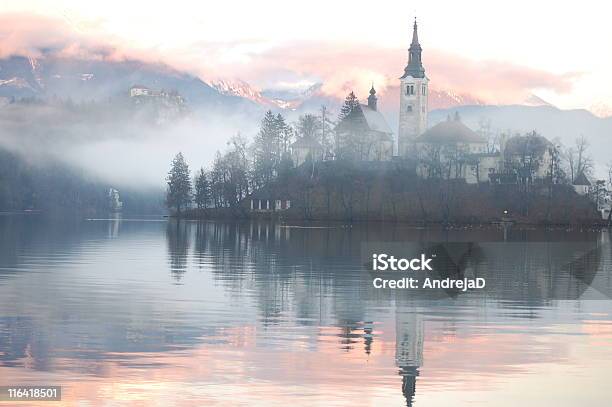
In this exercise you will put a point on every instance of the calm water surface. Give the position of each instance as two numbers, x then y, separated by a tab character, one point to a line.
155	313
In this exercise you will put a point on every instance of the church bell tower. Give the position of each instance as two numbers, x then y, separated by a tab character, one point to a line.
414	92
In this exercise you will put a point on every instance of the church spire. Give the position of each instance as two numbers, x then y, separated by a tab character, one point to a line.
415	66
415	34
372	99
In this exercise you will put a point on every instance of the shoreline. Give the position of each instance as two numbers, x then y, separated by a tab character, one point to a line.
236	215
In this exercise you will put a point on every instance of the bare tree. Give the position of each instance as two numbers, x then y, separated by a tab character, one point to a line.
579	160
492	136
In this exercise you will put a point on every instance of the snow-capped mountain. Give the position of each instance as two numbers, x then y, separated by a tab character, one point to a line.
535	100
445	99
90	80
242	89
274	98
303	99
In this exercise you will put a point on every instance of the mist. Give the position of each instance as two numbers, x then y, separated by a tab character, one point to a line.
114	143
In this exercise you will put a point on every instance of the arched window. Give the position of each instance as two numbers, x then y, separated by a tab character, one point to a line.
409	90
424	90
409	109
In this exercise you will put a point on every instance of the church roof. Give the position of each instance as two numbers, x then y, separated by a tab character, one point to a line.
306	142
450	131
581	179
375	120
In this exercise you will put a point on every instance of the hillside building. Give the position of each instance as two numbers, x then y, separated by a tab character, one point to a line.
451	150
365	135
581	184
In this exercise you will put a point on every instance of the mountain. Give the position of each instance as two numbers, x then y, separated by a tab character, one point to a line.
311	98
285	99
87	80
295	98
535	100
241	89
444	99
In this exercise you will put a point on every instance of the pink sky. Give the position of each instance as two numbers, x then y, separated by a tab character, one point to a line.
500	57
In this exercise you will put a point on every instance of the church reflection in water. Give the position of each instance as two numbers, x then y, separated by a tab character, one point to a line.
291	310
313	273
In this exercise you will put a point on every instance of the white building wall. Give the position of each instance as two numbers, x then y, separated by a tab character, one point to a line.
414	93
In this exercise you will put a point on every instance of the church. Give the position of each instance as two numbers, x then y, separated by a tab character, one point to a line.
447	150
369	135
414	92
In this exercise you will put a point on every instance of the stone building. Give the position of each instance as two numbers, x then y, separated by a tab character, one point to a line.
451	150
365	135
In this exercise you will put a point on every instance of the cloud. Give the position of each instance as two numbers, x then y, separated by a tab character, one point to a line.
37	36
339	66
342	67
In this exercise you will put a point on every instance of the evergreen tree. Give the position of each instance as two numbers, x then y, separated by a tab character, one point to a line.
202	189
179	184
284	134
350	135
217	179
350	103
307	126
266	149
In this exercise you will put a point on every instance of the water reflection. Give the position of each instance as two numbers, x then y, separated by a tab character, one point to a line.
177	237
289	312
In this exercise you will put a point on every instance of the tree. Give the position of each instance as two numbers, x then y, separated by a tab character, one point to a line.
237	167
179	184
579	160
307	126
284	134
325	132
352	141
492	137
202	190
350	104
229	177
266	150
217	175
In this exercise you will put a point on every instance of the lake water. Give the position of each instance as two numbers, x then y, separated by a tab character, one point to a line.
158	313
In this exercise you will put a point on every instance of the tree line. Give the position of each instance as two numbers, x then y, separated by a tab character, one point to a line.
244	167
248	166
